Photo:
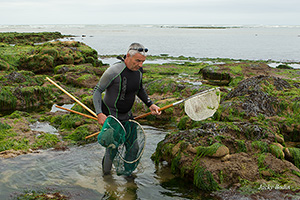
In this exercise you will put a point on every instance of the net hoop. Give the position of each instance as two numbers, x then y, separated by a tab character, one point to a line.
104	128
202	106
122	146
118	122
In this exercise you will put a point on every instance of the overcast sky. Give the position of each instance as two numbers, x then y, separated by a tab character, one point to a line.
265	12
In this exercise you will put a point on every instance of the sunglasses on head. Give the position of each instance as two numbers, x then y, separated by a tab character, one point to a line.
139	49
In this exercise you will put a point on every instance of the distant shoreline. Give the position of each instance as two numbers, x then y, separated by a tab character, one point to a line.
206	27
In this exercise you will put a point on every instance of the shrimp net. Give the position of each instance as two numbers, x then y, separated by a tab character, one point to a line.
126	141
202	106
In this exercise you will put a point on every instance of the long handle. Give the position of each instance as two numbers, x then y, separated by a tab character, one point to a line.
92	135
76	112
149	113
176	103
67	93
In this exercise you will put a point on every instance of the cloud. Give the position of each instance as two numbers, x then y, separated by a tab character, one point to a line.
149	11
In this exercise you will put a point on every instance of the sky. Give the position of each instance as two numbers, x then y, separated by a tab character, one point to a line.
234	12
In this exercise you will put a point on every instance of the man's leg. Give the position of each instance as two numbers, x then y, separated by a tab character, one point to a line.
107	160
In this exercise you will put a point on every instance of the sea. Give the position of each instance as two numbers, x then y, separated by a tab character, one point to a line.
247	42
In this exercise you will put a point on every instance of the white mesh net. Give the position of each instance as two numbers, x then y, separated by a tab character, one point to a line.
202	106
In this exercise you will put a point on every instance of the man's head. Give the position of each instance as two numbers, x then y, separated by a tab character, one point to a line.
135	57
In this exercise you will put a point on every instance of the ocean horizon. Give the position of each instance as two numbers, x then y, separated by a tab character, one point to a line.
279	43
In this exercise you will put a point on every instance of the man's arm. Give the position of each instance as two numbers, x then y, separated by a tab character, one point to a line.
106	79
144	97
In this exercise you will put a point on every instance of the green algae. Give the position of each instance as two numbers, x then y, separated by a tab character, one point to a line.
84	77
27	38
67	121
276	151
9	140
241	146
182	124
175	163
260	145
260	160
41	194
203	179
295	152
208	151
7	98
162	151
79	134
46	141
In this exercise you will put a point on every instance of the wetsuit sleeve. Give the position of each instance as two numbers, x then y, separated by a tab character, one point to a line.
104	82
144	97
142	94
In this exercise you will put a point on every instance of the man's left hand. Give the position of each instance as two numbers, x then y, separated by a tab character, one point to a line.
154	109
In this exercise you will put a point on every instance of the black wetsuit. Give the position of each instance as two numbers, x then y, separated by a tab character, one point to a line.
121	85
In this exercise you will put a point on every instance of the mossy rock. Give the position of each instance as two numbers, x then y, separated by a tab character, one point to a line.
37	63
3	44
50	51
4	66
16	77
215	150
182	124
204	180
295	153
27	38
44	58
277	150
212	74
8	100
67	59
221	152
91	60
62	69
282	66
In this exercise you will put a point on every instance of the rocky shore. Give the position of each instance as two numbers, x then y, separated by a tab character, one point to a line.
250	145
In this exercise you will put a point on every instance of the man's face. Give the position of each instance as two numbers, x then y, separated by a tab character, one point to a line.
134	62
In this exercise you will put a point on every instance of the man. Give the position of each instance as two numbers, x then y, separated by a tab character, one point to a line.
121	82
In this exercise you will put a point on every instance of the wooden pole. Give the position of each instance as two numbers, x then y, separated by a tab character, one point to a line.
77	112
72	97
95	134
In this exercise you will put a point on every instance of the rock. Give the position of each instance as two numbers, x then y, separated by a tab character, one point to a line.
279	139
222	151
287	154
225	158
176	149
16	77
279	145
4	65
191	149
215	77
11	153
266	173
258	101
277	150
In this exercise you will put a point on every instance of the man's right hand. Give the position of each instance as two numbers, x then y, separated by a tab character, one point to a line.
101	118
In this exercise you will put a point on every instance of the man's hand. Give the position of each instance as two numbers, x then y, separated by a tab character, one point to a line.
101	118
154	109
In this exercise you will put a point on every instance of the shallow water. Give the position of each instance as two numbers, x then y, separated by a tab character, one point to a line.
77	173
44	126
